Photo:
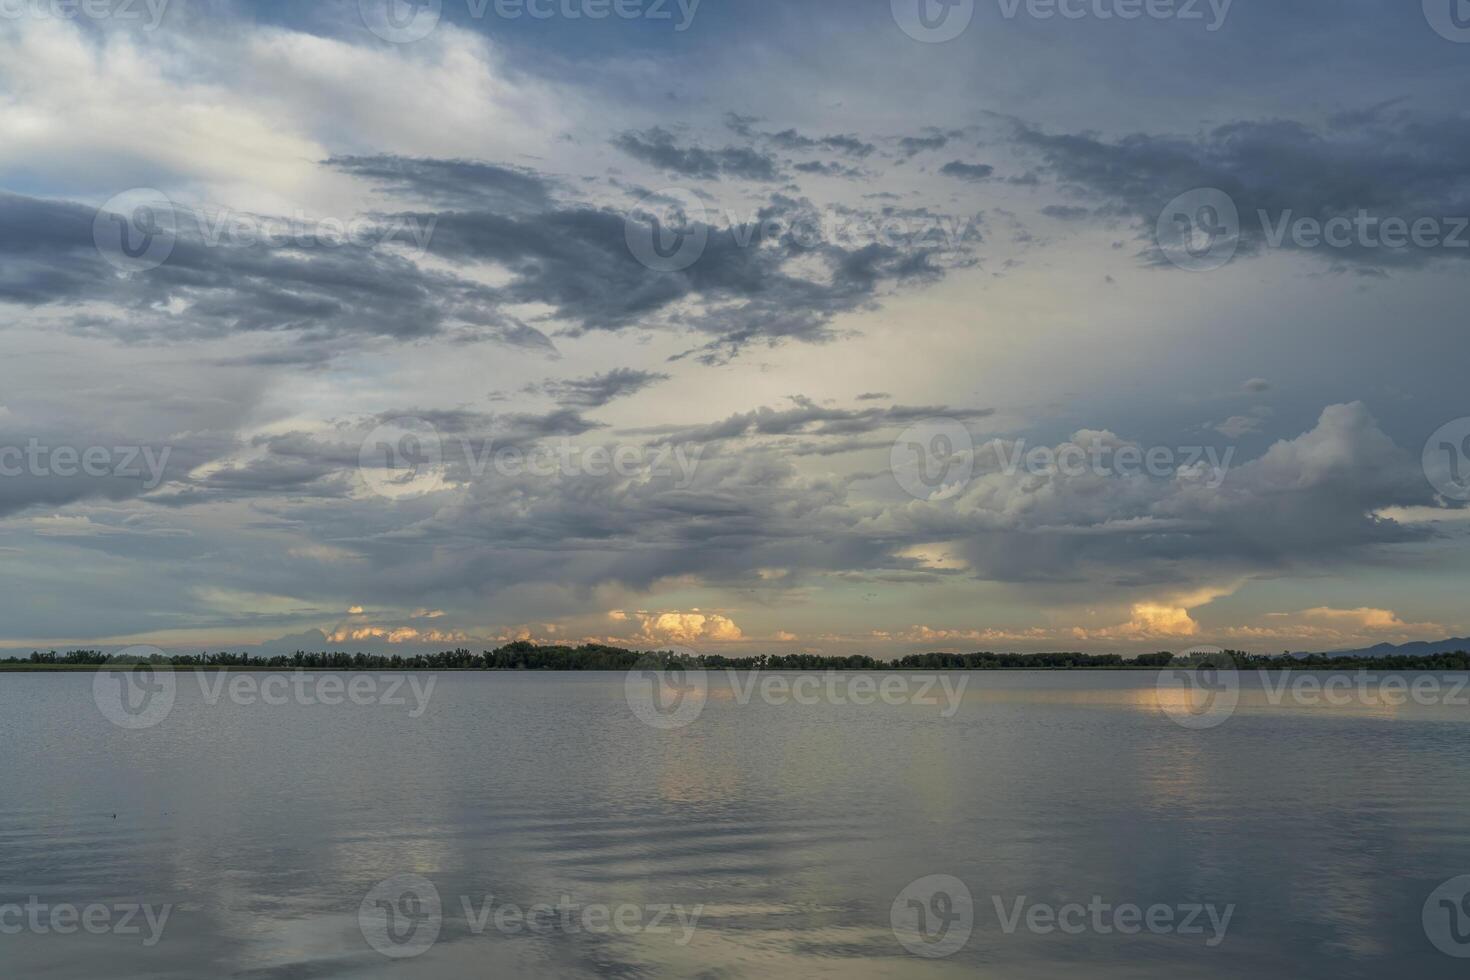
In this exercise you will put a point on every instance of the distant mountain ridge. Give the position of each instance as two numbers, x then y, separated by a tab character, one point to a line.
1418	648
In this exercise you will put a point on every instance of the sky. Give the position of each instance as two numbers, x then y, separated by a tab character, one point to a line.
872	326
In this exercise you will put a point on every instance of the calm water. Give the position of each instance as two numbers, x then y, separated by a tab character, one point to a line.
795	827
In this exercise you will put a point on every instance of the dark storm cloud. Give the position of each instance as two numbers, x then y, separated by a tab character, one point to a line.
796	142
41	465
912	145
658	147
215	285
967	171
734	516
828	169
599	389
790	139
1065	212
453	183
1387	164
275	475
578	261
1307	503
333	298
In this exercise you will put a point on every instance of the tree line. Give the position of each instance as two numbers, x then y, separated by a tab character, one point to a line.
523	655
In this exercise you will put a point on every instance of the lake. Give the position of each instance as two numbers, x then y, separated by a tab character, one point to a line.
538	825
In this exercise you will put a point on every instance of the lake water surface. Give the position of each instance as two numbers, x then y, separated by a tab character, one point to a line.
767	838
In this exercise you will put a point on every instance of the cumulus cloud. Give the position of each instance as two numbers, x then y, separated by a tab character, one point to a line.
683	627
